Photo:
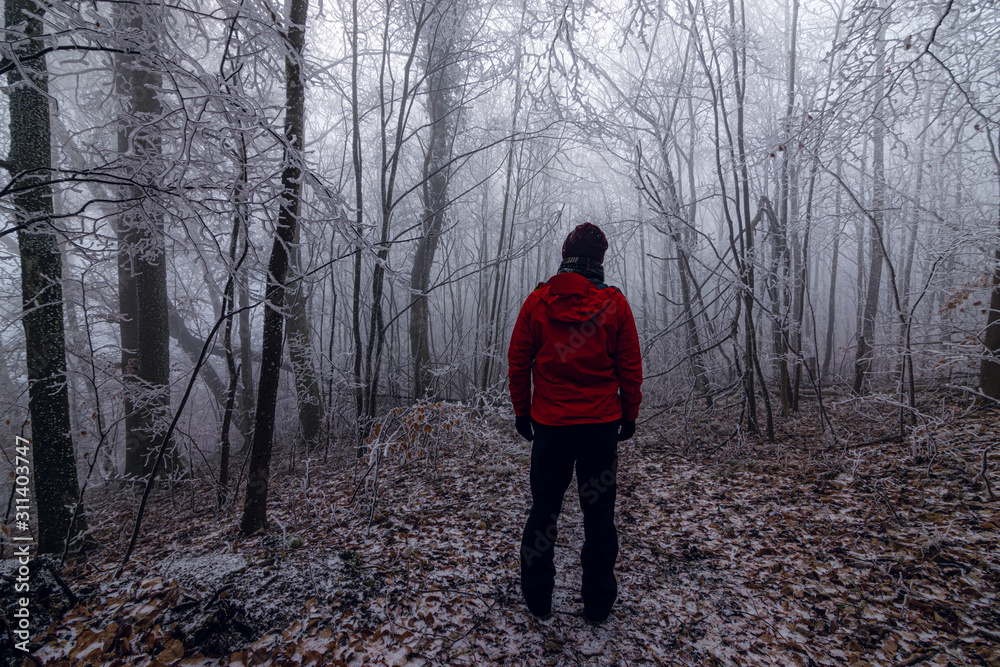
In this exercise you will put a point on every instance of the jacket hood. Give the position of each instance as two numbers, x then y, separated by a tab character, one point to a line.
573	298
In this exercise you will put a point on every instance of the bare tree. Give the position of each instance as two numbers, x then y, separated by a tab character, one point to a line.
866	335
442	73
301	355
393	114
989	369
142	259
29	164
255	506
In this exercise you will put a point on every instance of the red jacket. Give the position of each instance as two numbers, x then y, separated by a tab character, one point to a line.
578	345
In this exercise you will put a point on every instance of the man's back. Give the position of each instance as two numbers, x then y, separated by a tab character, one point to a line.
575	340
578	344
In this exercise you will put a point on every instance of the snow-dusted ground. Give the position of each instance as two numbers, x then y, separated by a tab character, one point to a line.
796	553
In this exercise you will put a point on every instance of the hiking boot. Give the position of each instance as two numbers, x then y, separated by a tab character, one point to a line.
595	619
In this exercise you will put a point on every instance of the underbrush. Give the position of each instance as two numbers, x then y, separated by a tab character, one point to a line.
823	547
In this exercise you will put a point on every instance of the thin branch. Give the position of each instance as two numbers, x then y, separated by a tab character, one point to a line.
984	473
65	47
161	454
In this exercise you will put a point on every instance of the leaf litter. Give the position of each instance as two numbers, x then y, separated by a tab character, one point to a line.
806	551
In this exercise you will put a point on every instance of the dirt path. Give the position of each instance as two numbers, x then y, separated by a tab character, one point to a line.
798	553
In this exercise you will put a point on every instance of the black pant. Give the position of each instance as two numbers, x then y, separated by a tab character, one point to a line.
594	449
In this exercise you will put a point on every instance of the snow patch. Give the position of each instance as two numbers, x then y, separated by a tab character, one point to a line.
206	570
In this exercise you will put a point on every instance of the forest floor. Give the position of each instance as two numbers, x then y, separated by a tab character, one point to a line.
812	550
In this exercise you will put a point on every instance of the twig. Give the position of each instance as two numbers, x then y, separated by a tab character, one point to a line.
217	595
371	511
889	503
167	438
358	487
894	437
268	582
927	655
70	595
284	532
985	476
480	618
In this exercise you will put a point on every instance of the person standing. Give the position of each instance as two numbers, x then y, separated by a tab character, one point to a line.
575	377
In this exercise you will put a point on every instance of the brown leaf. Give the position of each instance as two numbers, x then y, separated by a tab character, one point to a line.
173	650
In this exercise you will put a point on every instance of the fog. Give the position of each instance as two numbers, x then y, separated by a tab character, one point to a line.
799	198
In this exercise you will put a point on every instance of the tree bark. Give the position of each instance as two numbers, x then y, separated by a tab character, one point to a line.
831	316
246	396
781	262
30	162
441	73
738	220
142	268
491	351
740	83
255	506
642	269
863	359
389	170
777	288
240	216
668	201
989	369
356	155
801	285
300	353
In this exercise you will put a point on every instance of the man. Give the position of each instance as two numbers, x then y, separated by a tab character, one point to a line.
575	342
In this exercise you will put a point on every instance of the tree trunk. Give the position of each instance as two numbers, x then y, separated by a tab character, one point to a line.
740	226
989	369
831	316
675	228
781	262
240	217
777	283
300	353
916	210
751	350
642	269
246	395
862	362
358	229
799	296
442	110
491	353
255	506
29	161
391	156
142	268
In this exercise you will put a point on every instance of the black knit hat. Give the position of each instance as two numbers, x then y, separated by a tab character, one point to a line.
586	240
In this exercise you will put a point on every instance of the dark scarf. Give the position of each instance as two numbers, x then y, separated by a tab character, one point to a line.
589	268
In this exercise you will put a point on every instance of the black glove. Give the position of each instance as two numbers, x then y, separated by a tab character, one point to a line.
627	430
523	426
